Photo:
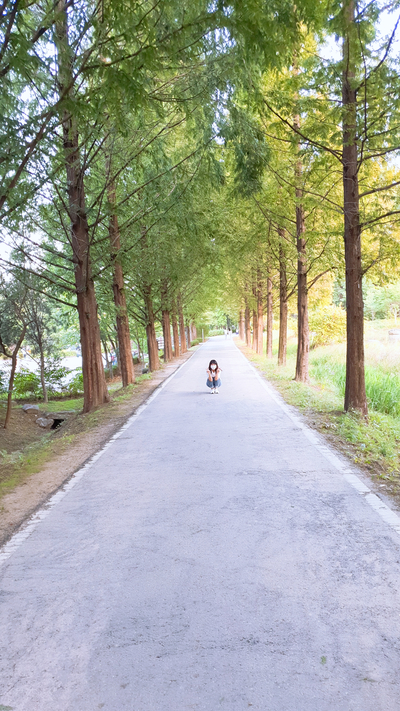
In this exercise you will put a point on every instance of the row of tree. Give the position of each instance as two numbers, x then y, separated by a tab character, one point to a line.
102	103
313	143
157	160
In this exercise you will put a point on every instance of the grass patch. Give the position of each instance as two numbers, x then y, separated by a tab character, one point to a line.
381	384
72	404
124	393
17	466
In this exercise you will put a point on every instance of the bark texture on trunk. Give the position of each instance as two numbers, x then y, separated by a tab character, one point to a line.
152	345
14	357
241	325
355	395
108	360
166	321
182	327
42	378
260	314
175	332
94	382
269	317
255	319
283	306
188	340
303	333
247	325
123	333
42	362
166	326
255	331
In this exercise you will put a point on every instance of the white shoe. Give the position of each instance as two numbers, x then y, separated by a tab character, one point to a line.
212	391
216	391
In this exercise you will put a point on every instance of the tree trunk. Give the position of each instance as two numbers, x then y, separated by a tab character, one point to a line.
247	327
255	331
114	349
182	326
166	326
255	322
166	321
175	332
42	365
94	382
14	357
42	379
355	395
108	362
269	317
283	305
123	333
260	315
241	325
303	334
152	345
188	341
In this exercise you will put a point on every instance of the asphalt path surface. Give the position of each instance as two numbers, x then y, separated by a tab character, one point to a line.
211	558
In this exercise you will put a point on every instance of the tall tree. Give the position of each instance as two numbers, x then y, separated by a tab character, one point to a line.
14	320
95	388
360	93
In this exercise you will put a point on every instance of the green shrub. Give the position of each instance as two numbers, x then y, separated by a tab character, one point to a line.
75	386
55	376
3	382
216	332
327	325
26	384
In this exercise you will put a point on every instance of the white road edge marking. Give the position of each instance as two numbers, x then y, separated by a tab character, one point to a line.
387	514
25	531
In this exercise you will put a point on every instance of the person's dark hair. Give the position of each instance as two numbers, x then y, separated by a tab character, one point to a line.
212	362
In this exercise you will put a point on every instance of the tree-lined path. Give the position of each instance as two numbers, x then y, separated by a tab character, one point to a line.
212	558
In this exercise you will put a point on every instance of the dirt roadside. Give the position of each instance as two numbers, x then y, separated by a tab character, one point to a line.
72	447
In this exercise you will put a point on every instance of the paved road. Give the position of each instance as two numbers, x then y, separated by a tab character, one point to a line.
212	558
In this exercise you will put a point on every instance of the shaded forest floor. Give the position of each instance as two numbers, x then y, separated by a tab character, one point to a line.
34	463
373	446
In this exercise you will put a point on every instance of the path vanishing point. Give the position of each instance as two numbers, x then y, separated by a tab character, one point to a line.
216	555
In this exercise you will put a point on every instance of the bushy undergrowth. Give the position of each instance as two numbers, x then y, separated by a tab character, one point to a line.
327	325
75	386
27	384
3	382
